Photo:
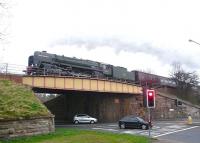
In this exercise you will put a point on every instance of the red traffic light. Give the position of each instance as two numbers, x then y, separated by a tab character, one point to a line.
150	98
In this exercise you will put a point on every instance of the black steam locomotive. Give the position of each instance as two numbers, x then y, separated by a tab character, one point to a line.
43	63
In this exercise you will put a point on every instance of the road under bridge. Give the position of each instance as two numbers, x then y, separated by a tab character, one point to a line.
106	100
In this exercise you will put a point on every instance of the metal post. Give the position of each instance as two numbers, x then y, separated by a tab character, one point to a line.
149	112
149	118
6	68
190	40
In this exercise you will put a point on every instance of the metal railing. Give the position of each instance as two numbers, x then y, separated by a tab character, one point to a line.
7	68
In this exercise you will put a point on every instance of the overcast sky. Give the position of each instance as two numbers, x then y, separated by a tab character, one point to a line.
136	34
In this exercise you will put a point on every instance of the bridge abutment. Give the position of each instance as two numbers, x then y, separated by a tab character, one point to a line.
106	107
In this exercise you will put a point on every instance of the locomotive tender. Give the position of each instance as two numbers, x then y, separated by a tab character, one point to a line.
43	63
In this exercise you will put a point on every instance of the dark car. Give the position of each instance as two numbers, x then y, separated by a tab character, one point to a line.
133	122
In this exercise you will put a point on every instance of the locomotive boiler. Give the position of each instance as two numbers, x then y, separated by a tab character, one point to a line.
43	63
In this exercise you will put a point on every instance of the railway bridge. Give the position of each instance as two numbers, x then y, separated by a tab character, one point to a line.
42	83
104	99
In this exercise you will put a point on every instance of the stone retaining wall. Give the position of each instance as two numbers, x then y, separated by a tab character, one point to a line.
9	129
167	109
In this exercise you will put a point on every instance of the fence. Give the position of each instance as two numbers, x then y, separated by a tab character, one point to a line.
12	72
6	68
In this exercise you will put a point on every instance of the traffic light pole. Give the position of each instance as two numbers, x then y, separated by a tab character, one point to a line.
149	112
149	116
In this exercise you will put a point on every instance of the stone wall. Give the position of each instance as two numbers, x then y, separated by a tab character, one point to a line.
106	107
111	107
9	129
167	109
193	111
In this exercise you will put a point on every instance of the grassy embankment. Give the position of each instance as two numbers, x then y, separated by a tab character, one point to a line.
190	95
19	102
80	136
191	98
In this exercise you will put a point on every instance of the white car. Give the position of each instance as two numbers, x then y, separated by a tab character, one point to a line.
84	118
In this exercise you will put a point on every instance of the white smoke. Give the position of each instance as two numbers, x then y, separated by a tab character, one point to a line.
166	56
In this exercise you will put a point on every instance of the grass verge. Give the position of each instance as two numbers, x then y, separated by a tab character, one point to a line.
19	102
62	135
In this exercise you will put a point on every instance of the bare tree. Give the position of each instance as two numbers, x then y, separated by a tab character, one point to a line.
1	6
4	24
3	10
147	70
183	79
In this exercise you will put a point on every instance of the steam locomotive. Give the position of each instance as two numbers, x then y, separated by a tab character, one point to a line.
43	63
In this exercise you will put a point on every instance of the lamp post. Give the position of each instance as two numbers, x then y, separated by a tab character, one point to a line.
190	40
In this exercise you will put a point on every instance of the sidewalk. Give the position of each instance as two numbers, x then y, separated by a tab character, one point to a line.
195	122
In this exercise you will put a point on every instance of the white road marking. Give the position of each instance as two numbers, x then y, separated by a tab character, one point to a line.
113	125
176	126
99	126
175	131
132	132
156	127
155	132
105	129
109	126
165	123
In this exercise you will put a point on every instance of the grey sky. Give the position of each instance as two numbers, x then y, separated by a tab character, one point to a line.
167	56
135	34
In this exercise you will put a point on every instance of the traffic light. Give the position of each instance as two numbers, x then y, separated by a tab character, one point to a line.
177	102
150	98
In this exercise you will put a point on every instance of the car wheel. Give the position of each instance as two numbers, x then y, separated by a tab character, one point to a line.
91	122
122	126
144	127
76	122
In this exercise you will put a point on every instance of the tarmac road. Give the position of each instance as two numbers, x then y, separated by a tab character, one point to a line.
165	131
186	136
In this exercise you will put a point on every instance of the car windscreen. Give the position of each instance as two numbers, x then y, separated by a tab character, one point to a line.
140	119
81	115
127	118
